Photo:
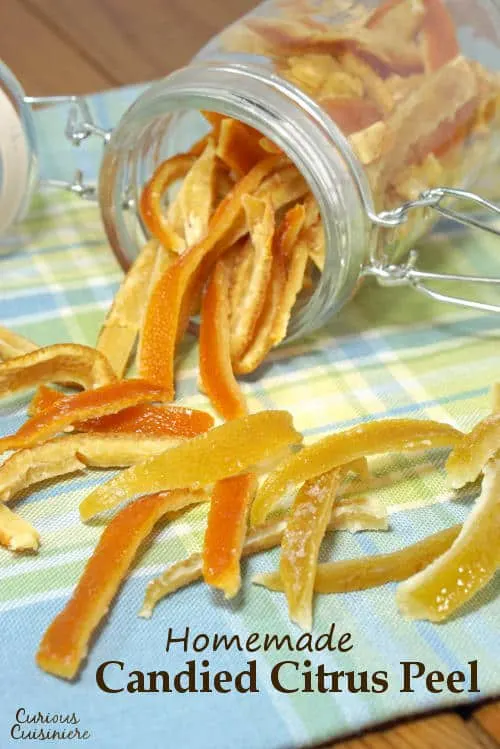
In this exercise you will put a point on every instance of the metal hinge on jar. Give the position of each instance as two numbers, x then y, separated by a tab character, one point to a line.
407	274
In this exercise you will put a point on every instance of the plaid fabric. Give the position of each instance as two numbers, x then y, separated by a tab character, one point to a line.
391	353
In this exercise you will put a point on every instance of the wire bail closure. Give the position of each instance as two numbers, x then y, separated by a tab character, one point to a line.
407	274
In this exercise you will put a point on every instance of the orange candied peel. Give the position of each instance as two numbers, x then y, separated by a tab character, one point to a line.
163	314
369	572
225	532
239	146
466	567
347	515
369	438
144	419
474	450
216	372
13	344
61	363
65	643
107	399
439	38
120	328
227	450
16	533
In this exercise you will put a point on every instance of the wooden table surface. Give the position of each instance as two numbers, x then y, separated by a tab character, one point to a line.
67	46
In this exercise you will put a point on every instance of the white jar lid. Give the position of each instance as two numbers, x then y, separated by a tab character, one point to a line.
14	162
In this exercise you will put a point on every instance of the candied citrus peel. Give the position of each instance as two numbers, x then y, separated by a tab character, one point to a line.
65	643
370	438
439	38
152	211
369	572
107	399
305	528
61	363
163	315
227	450
225	532
13	344
466	567
16	533
239	146
144	419
216	372
74	452
475	449
121	326
347	515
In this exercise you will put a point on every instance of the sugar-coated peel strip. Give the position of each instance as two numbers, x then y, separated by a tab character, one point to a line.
89	404
350	114
260	221
65	643
370	438
75	452
225	532
439	38
151	206
61	363
216	372
475	449
405	17
144	419
347	515
162	320
300	545
466	567
191	210
14	344
16	534
369	572
239	146
120	328
288	231
227	450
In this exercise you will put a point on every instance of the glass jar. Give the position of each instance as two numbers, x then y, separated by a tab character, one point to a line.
426	72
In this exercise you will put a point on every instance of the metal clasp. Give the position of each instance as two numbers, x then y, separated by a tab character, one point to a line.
407	274
80	125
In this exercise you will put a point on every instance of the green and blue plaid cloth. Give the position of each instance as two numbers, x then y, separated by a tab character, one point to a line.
391	353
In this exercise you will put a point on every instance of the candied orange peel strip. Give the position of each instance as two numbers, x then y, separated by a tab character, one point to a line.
466	567
305	528
75	452
152	210
225	532
65	643
216	372
61	363
163	315
370	438
16	533
474	450
239	146
260	220
440	44
107	399
347	515
369	572
121	326
227	450
14	344
144	419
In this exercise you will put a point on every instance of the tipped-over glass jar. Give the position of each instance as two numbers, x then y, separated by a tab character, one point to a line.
390	110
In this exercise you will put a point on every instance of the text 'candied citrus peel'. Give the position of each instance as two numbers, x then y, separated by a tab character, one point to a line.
64	644
464	569
369	572
144	419
474	450
347	515
74	452
370	438
225	532
216	372
88	404
16	533
61	363
224	451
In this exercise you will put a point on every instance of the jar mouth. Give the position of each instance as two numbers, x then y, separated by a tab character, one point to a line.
284	114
